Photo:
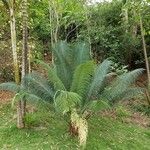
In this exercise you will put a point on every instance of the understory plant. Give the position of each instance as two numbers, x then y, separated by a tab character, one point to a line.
77	86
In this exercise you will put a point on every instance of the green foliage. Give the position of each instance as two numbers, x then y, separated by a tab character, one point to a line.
62	61
67	58
10	86
52	76
82	78
97	105
39	19
81	53
103	25
65	101
100	74
143	108
46	130
121	88
39	86
79	85
85	79
118	68
122	112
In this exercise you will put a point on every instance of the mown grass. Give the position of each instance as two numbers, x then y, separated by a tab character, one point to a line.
47	131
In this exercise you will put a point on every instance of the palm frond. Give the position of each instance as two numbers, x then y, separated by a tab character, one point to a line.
68	57
10	86
52	76
99	78
133	92
82	78
121	85
39	86
81	53
32	98
96	105
63	56
65	101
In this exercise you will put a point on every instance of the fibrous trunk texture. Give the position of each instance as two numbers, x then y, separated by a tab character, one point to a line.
22	103
73	130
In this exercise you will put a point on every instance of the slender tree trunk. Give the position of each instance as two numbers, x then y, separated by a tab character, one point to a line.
13	41
126	19
88	30
15	59
145	52
50	19
134	28
22	103
129	49
10	5
54	23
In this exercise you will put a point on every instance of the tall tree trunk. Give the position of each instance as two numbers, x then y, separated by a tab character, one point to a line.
10	5
51	25
13	41
88	28
22	103
145	51
54	23
126	19
126	23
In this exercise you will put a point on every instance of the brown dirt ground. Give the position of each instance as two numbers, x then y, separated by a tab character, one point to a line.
5	96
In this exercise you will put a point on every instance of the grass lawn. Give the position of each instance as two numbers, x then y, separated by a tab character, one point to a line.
47	131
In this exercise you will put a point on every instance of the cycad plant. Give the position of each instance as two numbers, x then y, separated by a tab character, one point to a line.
76	85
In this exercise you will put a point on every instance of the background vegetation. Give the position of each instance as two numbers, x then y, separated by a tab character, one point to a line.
72	62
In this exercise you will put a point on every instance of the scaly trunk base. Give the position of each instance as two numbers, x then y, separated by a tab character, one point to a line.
73	130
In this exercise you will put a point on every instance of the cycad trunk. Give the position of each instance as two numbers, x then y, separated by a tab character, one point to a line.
22	103
73	130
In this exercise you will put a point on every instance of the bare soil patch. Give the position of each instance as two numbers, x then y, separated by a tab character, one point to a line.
5	96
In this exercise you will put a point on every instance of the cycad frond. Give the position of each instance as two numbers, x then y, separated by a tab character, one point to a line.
39	86
63	59
10	86
32	97
65	101
82	78
52	76
96	105
67	58
133	92
81	53
99	78
120	86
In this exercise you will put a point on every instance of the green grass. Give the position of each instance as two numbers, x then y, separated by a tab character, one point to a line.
48	131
